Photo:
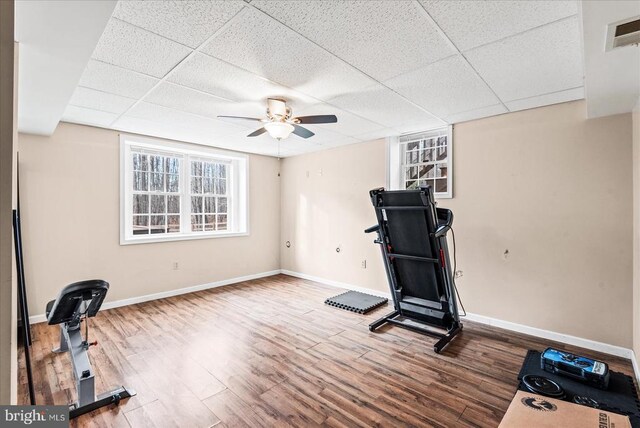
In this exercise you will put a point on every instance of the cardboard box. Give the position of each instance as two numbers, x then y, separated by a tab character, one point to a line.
531	410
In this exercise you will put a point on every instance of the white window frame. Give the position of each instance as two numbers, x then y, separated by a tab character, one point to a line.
238	178
396	163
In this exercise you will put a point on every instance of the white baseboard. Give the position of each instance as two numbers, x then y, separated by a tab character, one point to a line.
336	283
606	348
593	345
133	300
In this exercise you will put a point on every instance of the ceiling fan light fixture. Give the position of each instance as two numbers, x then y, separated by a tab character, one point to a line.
279	130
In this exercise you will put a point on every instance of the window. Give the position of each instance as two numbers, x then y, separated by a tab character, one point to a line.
422	159
173	191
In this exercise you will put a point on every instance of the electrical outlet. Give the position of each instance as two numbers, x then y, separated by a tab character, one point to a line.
363	265
175	265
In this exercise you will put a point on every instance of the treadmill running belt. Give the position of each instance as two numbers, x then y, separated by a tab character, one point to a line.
355	301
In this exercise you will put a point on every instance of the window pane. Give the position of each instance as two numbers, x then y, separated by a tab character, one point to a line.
222	170
412	173
196	185
222	222
173	204
140	225
429	143
412	184
222	205
196	223
220	187
429	171
173	184
140	204
207	185
140	162
208	169
173	223
157	182
141	181
440	153
442	141
209	222
172	165
209	204
196	169
158	205
413	145
441	185
156	163
158	224
441	170
196	204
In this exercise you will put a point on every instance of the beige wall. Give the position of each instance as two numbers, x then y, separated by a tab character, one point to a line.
8	63
71	210
636	233
548	185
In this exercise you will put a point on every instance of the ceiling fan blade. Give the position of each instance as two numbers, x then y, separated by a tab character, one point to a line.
257	132
302	132
254	119
322	118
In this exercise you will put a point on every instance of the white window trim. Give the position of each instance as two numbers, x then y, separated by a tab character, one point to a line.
239	191
394	164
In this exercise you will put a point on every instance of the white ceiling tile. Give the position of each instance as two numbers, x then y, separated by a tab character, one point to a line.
476	114
381	38
196	102
473	23
115	80
375	135
87	116
383	106
139	50
187	22
445	87
267	48
221	79
182	121
547	99
348	124
98	100
540	61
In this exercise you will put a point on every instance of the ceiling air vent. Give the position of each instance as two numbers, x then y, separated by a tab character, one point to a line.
623	33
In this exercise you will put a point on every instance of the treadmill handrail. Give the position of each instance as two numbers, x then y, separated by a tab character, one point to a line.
372	229
443	229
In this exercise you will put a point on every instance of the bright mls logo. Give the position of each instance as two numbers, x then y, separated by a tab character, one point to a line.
34	416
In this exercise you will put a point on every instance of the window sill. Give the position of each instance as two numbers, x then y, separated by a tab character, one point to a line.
169	238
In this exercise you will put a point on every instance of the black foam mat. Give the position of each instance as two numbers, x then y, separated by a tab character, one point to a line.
621	396
355	301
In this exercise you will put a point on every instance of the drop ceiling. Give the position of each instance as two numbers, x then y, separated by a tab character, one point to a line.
167	69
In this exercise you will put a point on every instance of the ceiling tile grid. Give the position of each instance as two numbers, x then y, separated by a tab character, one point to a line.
381	38
98	100
86	116
383	67
133	48
385	107
189	22
473	23
446	87
259	44
543	60
116	80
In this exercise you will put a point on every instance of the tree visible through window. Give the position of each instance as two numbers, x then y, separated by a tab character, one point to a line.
176	192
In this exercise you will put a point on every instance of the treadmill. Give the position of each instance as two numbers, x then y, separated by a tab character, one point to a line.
412	234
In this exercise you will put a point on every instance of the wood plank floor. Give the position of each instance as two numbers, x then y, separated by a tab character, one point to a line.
270	353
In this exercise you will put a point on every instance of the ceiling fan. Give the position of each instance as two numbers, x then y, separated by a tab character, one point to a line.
279	122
